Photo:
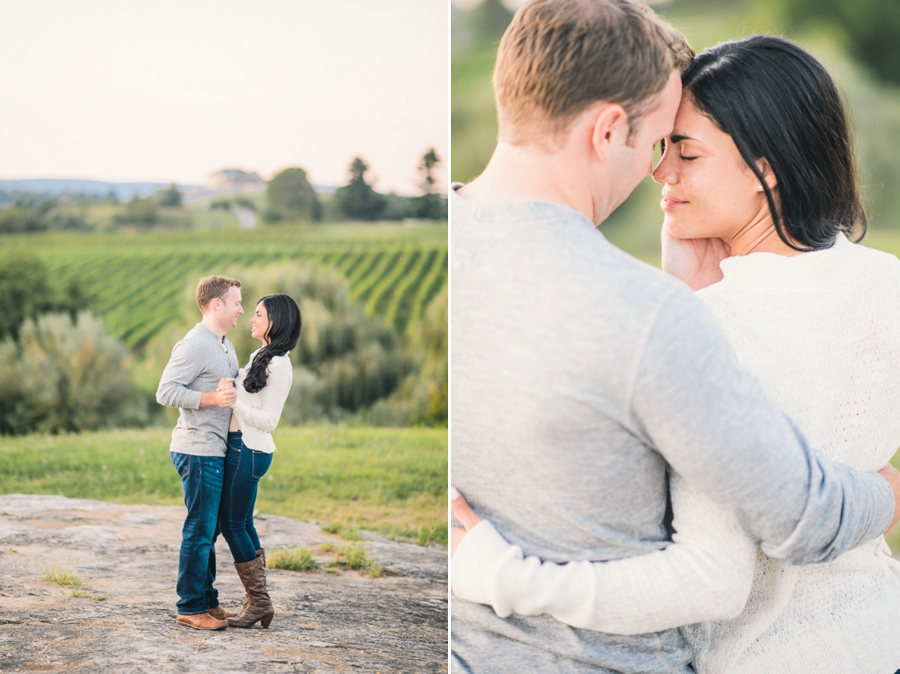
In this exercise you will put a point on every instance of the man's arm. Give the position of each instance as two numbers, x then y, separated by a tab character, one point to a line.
183	368
716	426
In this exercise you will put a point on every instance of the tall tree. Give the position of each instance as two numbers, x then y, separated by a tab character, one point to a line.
871	28
357	200
431	204
25	292
170	197
292	197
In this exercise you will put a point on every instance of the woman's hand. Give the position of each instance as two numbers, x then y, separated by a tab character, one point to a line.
466	516
226	394
694	261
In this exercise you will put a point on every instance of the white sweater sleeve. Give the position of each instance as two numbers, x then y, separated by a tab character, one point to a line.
704	575
272	398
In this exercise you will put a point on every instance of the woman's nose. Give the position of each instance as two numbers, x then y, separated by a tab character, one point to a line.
663	174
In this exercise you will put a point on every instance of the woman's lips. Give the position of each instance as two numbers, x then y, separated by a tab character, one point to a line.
669	204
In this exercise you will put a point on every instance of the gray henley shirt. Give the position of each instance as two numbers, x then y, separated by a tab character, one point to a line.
197	364
579	376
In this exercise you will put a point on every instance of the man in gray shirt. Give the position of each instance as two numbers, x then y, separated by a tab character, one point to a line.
580	375
190	382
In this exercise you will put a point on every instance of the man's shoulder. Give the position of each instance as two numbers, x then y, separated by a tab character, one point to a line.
193	339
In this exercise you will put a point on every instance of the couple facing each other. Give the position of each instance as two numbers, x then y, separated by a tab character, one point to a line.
643	456
222	444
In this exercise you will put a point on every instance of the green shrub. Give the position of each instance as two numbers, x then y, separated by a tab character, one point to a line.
291	197
64	376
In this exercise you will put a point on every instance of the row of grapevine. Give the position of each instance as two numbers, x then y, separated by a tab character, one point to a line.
137	290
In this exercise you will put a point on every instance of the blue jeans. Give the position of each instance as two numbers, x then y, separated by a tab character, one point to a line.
243	469
201	481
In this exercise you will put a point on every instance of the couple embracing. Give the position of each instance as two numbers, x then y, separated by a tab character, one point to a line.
222	444
681	470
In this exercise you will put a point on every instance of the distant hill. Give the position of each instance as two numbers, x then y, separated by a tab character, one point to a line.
123	191
56	186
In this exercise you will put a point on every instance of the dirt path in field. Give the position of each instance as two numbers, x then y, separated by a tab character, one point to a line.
325	621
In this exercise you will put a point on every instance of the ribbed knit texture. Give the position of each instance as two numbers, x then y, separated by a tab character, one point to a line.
579	375
821	331
258	413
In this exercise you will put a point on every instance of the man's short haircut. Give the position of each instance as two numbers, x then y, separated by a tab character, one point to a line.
558	57
212	287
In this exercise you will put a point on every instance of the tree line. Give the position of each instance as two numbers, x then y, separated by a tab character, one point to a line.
290	197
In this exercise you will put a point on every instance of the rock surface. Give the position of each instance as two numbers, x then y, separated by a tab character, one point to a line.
326	620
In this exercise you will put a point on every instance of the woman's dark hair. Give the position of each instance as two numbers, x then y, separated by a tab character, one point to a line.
777	102
283	333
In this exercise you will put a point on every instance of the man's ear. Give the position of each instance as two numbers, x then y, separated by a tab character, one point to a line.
609	131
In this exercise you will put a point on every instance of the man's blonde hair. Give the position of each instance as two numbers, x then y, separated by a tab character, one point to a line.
558	57
212	287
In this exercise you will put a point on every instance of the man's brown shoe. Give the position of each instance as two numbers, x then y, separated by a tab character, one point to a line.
201	621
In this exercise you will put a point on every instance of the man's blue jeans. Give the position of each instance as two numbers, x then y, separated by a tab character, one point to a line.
201	481
243	469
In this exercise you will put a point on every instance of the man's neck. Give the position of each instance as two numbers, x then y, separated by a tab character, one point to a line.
211	324
517	173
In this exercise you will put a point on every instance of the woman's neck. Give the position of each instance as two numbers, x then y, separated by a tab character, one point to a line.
759	236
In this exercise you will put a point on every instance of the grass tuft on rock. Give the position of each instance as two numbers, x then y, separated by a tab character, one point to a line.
53	575
292	560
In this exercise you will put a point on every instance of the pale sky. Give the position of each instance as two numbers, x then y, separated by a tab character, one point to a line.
173	90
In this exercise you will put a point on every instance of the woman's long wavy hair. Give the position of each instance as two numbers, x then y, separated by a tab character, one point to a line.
779	103
284	331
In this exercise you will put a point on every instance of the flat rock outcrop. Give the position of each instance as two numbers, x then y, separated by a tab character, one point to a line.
326	620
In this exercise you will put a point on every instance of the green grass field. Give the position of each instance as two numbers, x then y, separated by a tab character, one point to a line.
138	279
392	481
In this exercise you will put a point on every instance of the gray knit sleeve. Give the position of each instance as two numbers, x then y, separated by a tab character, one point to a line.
717	427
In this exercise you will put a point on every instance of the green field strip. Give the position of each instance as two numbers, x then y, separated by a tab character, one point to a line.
137	281
351	263
342	259
367	285
145	297
429	287
380	299
363	270
139	337
145	283
398	314
436	285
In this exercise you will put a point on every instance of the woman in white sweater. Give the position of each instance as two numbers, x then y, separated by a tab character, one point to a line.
262	389
759	197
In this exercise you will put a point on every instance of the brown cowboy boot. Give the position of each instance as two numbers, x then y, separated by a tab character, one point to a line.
201	621
221	614
259	606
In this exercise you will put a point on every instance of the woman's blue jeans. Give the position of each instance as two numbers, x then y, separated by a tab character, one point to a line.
201	482
243	469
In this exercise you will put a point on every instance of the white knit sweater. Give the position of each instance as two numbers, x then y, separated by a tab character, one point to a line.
821	331
257	414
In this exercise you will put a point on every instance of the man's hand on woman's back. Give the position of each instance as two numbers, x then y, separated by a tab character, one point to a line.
892	475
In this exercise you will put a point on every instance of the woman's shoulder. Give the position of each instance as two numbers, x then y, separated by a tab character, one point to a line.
282	361
280	368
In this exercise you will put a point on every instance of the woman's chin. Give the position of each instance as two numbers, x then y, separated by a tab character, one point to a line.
680	229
